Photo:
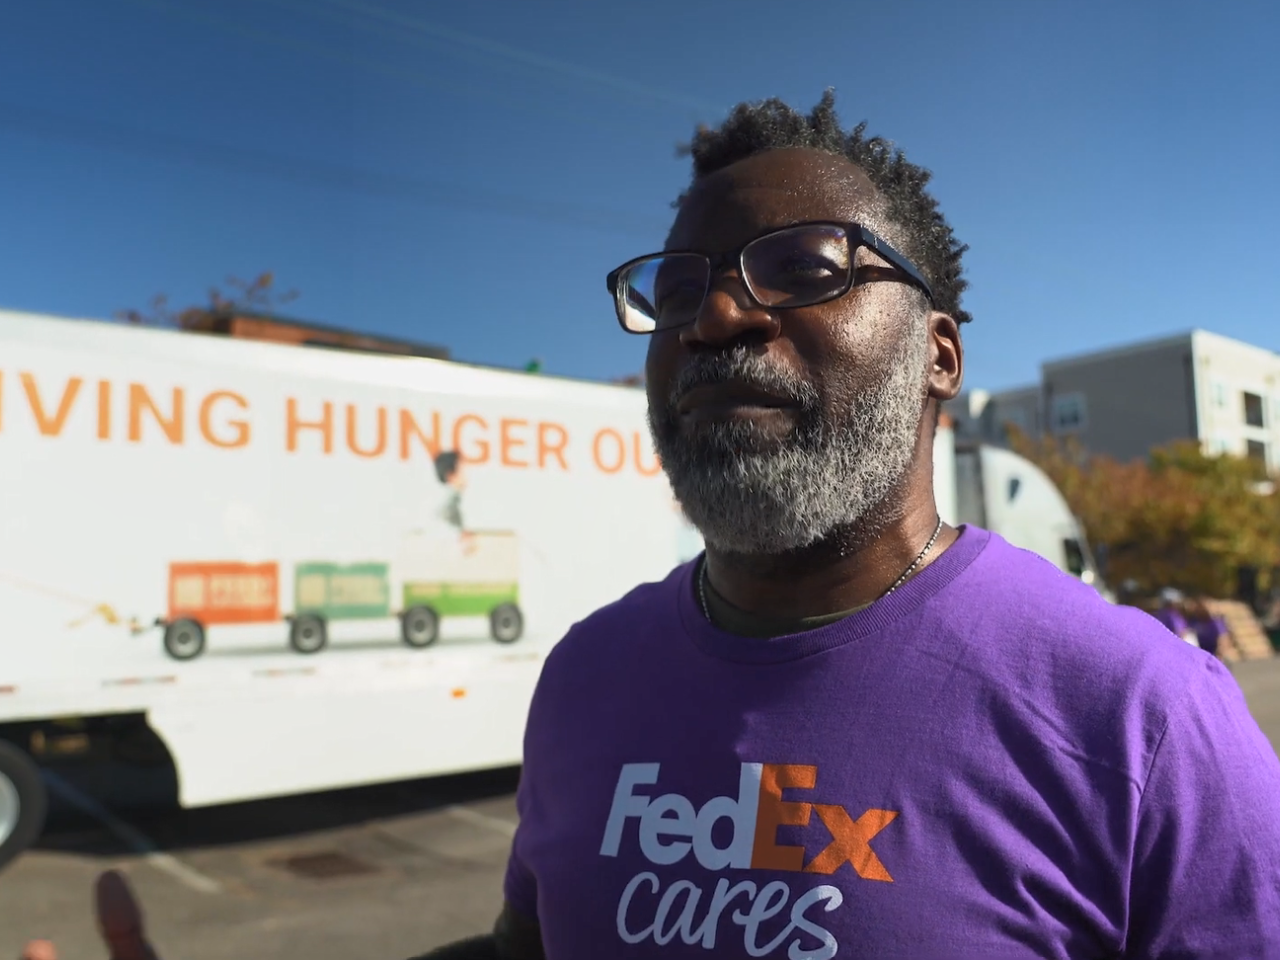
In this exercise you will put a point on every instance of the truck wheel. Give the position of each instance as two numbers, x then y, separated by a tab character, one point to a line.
506	623
420	627
184	639
307	633
23	802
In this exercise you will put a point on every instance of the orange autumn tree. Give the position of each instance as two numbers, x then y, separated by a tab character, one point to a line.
1179	518
257	295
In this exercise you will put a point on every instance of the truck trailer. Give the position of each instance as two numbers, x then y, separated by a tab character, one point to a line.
272	557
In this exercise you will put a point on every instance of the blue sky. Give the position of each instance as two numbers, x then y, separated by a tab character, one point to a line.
466	174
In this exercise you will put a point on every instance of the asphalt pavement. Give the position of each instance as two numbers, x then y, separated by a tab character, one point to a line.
387	871
377	872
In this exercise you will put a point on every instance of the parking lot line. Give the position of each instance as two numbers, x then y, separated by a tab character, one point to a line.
496	824
133	838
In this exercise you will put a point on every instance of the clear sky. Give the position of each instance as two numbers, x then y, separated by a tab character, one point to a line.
467	173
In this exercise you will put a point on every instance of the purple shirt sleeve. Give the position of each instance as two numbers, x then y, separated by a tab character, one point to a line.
519	888
1205	880
519	885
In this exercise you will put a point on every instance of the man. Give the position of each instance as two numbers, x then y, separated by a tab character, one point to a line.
851	729
1208	627
1172	613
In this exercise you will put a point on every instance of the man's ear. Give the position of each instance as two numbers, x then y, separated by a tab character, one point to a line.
946	357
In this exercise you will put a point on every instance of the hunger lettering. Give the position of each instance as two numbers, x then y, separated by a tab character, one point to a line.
66	407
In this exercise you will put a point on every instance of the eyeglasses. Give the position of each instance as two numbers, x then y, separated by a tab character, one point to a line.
796	266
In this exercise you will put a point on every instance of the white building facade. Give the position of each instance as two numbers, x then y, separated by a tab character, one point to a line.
1123	402
1237	397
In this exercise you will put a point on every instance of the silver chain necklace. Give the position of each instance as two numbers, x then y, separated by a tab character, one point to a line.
702	572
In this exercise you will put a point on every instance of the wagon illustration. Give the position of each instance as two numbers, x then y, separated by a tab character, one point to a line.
205	594
476	578
329	591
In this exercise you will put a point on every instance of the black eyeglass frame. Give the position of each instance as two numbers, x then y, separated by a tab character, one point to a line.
857	234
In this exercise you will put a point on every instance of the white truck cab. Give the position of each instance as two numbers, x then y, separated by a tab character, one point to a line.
1001	491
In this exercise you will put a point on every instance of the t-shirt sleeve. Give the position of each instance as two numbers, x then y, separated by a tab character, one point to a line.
1205	881
520	888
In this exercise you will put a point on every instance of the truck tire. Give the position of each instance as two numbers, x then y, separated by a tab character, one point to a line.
308	633
184	639
23	802
506	623
419	627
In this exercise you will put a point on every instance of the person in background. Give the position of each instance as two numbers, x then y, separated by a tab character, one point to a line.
1172	613
1208	628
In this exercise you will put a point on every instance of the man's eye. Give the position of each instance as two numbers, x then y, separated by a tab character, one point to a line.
807	266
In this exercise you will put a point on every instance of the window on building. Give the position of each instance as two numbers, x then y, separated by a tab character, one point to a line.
1068	413
1219	394
1253	410
1256	450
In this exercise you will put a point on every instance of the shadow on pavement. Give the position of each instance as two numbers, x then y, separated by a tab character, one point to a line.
145	799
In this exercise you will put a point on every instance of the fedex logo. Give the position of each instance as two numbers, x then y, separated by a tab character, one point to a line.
669	828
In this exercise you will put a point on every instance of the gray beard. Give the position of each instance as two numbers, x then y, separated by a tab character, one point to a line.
749	494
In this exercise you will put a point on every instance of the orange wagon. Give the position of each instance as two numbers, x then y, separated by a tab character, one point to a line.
204	594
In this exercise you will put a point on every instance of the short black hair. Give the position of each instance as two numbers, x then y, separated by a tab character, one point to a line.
928	240
446	465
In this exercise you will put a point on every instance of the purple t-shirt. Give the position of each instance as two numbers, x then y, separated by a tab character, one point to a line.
1173	621
991	762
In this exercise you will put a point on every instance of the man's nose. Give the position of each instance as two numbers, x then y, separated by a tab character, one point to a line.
729	314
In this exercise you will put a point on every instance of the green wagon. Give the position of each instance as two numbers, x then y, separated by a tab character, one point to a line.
479	578
331	591
479	581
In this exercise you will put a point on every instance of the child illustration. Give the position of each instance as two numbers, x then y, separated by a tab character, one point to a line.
449	471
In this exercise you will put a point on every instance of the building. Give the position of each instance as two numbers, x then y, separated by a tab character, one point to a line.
986	416
252	326
1195	386
1122	402
1238	405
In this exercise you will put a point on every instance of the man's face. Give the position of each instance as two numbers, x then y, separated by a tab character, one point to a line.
779	427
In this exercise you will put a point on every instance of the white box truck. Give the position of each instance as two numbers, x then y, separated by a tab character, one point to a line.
992	487
271	556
